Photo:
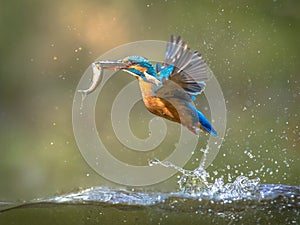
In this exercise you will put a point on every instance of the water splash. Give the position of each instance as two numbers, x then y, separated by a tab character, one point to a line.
274	204
195	182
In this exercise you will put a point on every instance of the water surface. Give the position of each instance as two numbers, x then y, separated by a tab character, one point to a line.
265	204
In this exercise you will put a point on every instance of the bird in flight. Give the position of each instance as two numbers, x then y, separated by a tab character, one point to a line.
169	88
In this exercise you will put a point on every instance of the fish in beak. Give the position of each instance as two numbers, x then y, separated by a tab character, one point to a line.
98	68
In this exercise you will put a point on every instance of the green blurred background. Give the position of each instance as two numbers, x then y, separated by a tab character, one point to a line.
252	46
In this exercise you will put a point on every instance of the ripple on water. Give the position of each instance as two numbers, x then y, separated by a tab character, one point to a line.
219	204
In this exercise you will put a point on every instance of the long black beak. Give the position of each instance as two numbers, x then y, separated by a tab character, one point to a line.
111	64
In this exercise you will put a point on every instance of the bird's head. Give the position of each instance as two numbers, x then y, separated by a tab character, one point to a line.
138	66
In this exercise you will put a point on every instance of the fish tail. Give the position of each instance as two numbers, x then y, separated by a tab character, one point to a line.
84	93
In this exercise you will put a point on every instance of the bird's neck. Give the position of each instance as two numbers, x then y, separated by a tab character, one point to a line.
147	88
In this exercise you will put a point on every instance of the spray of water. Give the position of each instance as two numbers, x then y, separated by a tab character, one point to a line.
195	182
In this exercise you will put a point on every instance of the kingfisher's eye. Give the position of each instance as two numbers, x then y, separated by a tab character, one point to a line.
132	62
127	62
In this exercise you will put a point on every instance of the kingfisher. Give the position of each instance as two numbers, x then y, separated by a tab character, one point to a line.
168	89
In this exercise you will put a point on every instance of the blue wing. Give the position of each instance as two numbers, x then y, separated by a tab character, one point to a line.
184	67
183	76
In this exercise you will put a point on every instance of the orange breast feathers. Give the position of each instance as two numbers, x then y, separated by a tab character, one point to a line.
161	108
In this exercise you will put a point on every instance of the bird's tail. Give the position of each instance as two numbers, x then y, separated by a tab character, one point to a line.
205	124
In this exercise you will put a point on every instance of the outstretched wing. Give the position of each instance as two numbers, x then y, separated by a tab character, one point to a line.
184	67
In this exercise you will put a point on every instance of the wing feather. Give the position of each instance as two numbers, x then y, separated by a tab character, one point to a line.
190	70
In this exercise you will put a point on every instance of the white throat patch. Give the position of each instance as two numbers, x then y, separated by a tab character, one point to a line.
152	79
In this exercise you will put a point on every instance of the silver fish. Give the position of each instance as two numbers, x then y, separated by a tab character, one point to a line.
98	68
